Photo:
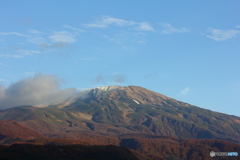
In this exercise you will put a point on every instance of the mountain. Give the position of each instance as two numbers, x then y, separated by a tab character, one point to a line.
136	109
107	115
115	110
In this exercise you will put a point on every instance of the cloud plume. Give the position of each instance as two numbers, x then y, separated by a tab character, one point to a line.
40	89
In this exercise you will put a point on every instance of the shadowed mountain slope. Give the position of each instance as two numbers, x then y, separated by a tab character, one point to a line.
165	148
74	152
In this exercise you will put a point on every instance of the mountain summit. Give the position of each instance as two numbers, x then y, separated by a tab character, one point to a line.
137	94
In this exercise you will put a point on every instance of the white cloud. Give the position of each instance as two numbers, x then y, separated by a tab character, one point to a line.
62	36
2	80
145	27
237	26
168	29
34	31
73	28
40	89
13	33
36	40
11	55
221	35
105	21
185	91
21	53
27	52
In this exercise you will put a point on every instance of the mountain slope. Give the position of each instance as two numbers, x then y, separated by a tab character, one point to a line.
11	131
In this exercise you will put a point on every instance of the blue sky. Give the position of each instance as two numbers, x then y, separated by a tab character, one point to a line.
186	50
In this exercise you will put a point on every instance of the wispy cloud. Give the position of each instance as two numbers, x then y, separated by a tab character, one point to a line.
34	31
36	40
1	80
21	43
119	78
89	59
29	73
99	78
144	26
222	35
58	45
11	55
4	65
185	91
153	74
14	33
40	89
141	42
62	36
21	53
105	21
118	38
27	52
115	78
168	29
73	28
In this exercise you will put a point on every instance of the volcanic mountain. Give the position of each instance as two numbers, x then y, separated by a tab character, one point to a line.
115	110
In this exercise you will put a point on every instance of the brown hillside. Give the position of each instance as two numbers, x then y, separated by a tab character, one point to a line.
12	129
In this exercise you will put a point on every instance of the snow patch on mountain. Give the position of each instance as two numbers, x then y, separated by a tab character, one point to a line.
107	88
136	101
